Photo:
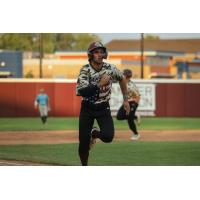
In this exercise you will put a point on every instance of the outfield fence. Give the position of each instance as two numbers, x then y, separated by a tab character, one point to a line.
161	98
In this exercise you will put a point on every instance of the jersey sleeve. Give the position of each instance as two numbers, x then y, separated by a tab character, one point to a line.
135	90
117	75
83	87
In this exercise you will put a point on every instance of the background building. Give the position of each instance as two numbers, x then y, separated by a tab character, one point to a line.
11	64
162	59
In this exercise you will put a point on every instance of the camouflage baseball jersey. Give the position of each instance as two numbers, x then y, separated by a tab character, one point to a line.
89	77
133	91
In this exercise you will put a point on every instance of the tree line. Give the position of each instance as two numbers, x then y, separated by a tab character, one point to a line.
51	41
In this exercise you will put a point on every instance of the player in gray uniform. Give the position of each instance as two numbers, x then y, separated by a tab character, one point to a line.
94	85
133	99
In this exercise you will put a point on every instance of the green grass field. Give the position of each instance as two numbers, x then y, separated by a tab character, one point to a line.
114	154
30	124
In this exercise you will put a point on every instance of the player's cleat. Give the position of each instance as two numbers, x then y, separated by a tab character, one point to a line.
94	133
135	136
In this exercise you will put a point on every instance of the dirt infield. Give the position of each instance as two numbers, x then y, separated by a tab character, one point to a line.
58	137
19	163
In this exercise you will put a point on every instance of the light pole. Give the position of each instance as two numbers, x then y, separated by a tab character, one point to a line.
41	53
142	54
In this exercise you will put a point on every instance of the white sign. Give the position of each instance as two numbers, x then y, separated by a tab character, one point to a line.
147	102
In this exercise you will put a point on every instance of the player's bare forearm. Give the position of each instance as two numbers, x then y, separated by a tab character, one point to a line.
124	90
123	87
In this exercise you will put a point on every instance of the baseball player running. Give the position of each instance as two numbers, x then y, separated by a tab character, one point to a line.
94	85
133	99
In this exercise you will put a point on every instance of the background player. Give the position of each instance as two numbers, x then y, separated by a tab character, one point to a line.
133	99
42	102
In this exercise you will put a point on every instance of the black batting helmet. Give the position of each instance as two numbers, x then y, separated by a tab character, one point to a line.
96	45
127	73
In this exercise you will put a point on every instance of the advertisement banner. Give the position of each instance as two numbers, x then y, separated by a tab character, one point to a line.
147	104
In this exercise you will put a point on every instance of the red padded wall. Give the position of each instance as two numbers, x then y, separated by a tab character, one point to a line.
175	101
17	99
8	99
161	99
192	100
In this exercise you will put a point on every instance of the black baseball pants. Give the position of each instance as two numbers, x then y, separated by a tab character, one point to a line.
121	115
90	112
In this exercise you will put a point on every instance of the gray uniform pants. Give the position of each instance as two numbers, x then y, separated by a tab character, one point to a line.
43	110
